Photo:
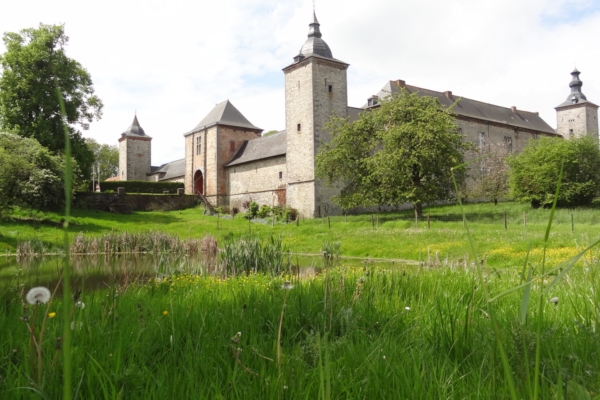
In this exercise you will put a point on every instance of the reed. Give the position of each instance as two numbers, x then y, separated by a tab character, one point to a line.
249	254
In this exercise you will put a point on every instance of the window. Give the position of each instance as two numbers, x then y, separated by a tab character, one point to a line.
535	136
231	145
299	128
280	175
460	131
122	173
481	136
508	143
198	145
330	88
570	133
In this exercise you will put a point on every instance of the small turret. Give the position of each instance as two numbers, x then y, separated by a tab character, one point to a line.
577	116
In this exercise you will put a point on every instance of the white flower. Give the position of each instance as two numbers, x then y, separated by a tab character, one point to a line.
37	295
554	300
80	304
407	308
384	358
287	285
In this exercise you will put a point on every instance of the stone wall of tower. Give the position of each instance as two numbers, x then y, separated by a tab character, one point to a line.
309	105
134	158
581	119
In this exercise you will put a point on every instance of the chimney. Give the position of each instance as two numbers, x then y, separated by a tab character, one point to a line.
448	94
514	109
400	83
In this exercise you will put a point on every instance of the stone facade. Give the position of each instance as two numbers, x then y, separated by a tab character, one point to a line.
574	121
261	181
134	158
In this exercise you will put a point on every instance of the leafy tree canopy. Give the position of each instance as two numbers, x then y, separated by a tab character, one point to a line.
29	104
534	172
107	159
30	176
400	152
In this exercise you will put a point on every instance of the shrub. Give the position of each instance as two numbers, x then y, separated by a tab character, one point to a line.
264	212
534	173
253	207
143	186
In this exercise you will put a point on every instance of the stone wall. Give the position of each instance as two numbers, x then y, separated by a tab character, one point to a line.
134	158
257	181
133	202
582	119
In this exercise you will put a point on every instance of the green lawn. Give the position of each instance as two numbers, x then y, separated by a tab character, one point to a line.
396	236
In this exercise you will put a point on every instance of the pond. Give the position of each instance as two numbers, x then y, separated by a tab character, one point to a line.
93	272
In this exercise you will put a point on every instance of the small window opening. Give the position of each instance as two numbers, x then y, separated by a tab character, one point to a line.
330	88
299	128
232	145
280	175
198	145
481	140
508	143
571	133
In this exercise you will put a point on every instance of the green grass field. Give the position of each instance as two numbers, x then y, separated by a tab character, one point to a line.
395	237
409	333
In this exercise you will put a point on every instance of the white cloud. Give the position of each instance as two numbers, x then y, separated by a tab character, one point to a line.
173	61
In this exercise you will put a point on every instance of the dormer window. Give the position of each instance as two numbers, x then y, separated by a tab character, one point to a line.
372	101
574	100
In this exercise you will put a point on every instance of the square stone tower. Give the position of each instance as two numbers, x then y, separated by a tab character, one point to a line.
134	153
577	116
316	88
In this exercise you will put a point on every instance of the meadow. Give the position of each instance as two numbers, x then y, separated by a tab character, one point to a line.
391	235
347	332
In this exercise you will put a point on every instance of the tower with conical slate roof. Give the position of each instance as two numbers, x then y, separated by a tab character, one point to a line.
316	87
577	116
134	153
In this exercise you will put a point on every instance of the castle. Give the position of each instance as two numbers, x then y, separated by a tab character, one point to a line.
228	161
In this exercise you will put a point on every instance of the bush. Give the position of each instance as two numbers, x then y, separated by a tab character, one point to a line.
253	207
143	186
534	172
30	176
285	213
264	212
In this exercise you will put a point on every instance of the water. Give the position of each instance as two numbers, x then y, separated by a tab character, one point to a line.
93	272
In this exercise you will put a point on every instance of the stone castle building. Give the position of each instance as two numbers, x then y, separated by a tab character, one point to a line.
229	163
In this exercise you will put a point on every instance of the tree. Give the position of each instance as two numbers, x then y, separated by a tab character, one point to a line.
34	62
400	152
269	133
534	172
492	183
30	176
107	159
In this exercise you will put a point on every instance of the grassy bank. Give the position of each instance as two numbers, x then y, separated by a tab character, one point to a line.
396	235
404	334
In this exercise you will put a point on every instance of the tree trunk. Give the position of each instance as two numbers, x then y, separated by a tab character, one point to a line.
495	202
418	207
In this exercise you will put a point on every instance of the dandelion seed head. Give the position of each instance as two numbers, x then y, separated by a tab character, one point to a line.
80	304
38	295
554	300
407	308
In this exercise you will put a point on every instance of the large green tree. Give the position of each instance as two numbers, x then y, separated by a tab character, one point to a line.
107	159
399	152
33	64
30	175
534	172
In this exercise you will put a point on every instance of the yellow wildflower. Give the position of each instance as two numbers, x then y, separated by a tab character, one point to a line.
52	315
165	312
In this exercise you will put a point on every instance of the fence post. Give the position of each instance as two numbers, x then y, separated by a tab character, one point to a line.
428	221
416	220
297	220
572	225
372	222
218	220
505	226
329	222
524	218
345	217
377	221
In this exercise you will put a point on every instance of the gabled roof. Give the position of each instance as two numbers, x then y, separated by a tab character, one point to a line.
135	130
274	145
224	113
170	170
476	109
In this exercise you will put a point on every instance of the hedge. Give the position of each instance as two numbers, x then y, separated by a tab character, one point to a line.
143	186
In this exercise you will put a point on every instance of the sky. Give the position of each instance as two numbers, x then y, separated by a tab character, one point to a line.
172	61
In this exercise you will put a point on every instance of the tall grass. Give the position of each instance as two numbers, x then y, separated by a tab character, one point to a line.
250	254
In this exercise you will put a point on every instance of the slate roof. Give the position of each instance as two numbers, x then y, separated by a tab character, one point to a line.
224	113
576	96
135	130
173	169
314	46
274	145
477	109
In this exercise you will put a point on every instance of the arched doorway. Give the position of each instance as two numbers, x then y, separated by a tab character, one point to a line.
198	183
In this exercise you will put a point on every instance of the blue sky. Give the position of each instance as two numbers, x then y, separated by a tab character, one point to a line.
172	61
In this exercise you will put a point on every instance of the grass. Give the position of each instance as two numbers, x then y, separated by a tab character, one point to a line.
407	333
395	237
